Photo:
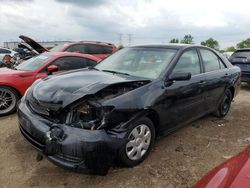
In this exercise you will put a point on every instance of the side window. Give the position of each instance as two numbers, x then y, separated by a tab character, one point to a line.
90	62
77	48
211	61
188	62
69	63
222	65
108	49
96	49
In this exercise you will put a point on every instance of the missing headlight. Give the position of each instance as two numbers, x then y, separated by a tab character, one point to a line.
89	115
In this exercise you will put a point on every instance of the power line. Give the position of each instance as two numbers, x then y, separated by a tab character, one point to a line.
129	39
120	35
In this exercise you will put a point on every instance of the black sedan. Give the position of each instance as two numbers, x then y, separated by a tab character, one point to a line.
88	119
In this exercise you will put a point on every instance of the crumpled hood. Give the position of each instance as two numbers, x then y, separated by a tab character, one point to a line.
69	87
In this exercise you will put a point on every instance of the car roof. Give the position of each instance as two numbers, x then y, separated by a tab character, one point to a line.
172	45
89	42
76	54
242	50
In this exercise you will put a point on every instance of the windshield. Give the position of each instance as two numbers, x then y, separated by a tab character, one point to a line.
140	62
34	63
57	48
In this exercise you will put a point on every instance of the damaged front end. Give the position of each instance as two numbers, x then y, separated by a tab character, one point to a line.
90	113
86	135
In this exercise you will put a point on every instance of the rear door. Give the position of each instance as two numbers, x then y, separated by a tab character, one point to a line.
217	78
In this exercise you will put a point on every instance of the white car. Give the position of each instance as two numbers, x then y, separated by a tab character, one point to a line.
6	51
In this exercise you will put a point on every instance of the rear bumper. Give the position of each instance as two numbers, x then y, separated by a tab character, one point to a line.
245	77
78	149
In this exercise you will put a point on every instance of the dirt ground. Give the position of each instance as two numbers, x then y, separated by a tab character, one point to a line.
177	160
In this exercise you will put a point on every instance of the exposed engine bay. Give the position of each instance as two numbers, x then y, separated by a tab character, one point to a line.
91	114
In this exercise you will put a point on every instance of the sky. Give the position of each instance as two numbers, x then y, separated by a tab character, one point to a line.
148	21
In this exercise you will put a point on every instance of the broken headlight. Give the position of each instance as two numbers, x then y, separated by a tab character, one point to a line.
90	115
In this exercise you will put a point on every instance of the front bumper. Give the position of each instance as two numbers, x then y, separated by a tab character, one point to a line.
91	151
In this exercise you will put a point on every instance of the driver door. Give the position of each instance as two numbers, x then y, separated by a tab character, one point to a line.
184	100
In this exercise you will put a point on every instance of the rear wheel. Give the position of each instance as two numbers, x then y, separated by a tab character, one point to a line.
224	105
8	100
141	136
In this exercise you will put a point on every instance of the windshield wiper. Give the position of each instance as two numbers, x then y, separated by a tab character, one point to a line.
116	72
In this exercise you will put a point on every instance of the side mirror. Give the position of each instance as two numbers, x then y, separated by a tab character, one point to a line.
52	68
179	76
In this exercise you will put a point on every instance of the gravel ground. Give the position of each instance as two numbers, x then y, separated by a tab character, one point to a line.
177	160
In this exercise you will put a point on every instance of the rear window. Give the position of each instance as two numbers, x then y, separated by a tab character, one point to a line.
240	56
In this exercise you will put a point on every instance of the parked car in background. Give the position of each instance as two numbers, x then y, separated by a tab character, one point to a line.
227	54
98	49
14	82
24	52
87	119
6	51
241	58
231	174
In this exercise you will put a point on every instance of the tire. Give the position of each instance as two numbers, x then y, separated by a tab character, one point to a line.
138	143
8	100
224	105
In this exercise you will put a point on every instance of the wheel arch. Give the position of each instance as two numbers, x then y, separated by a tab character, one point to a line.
232	90
154	117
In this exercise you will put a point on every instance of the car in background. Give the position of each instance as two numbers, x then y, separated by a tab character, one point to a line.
232	173
98	49
241	58
89	119
14	82
227	54
6	51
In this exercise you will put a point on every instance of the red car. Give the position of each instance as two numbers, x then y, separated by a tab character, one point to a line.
233	173
14	82
98	49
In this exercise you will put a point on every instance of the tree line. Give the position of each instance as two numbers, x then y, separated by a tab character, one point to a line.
212	43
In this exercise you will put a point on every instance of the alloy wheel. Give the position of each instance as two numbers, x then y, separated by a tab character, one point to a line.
7	100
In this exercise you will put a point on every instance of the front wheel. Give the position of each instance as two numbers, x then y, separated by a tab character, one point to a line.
141	136
225	104
8	100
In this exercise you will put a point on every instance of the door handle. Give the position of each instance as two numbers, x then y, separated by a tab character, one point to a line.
202	82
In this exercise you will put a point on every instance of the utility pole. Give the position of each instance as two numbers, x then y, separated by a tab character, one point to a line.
129	39
120	35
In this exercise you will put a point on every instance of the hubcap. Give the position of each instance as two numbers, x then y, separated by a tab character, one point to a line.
139	141
7	100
